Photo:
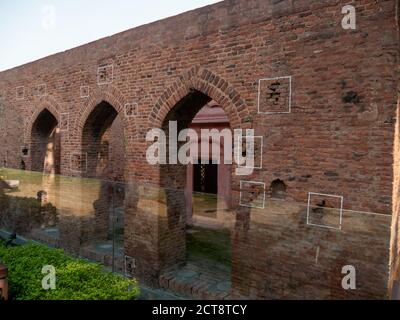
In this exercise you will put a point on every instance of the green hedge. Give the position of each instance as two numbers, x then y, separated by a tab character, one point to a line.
75	279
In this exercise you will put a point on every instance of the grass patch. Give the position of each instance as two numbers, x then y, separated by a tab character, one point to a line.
36	178
75	279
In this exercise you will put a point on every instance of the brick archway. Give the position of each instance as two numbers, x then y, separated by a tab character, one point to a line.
49	103
212	85
110	95
164	248
102	113
208	83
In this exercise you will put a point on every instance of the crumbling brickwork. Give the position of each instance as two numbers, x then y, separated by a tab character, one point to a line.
323	98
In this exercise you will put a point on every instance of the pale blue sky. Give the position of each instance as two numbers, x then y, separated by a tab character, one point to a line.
32	29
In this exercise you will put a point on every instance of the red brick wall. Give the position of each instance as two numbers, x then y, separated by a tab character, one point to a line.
340	145
395	232
395	240
338	138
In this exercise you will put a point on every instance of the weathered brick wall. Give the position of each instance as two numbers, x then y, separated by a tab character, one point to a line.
395	232
338	138
394	283
331	140
300	261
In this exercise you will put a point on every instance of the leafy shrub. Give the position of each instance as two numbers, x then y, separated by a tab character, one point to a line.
75	279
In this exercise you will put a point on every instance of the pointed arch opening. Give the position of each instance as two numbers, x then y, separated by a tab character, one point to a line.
103	143
197	232
45	144
165	246
104	149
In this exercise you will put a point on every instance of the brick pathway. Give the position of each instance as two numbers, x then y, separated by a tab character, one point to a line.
198	280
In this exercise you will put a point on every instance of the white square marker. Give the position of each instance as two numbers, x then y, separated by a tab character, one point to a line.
64	121
2	98
78	162
20	93
24	151
41	90
277	97
323	210
246	196
131	109
129	266
105	74
251	150
85	92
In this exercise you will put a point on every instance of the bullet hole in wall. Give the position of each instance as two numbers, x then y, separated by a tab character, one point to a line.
278	189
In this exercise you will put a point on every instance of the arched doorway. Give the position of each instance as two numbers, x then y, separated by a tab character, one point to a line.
193	243
208	184
156	220
44	151
45	144
103	143
103	146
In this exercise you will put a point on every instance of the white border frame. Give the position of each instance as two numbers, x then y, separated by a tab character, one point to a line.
105	68
23	93
38	94
61	118
88	92
126	257
78	154
136	106
2	100
241	191
310	194
290	94
240	143
22	154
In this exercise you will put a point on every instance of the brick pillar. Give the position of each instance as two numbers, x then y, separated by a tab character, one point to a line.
141	236
154	230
